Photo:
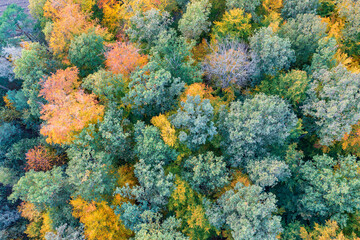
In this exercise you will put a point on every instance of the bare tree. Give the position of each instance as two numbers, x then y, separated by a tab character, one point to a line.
230	63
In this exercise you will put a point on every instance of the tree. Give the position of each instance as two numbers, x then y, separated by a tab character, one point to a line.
9	134
173	54
89	172
328	231
247	212
65	232
150	147
35	64
124	58
12	21
195	120
153	91
291	86
107	86
274	53
68	110
167	130
330	190
254	126
195	22
152	229
44	189
206	173
350	11
324	57
268	172
187	206
333	111
234	25
304	32
86	52
230	64
293	8
41	158
248	6
36	8
99	219
145	27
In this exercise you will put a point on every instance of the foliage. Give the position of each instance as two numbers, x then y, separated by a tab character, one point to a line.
68	110
41	158
293	8
206	173
324	57
145	27
234	25
268	172
166	129
86	52
230	64
99	219
252	127
247	212
304	32
330	189
274	53
153	93
65	232
195	120
194	21
291	86
333	111
248	6
124	58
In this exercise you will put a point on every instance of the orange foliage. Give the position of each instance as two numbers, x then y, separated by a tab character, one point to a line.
69	109
167	131
100	221
29	212
8	103
68	22
201	50
41	158
123	58
351	141
198	89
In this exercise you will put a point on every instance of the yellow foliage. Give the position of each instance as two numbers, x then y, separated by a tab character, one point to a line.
8	103
329	231
167	131
100	221
272	5
47	225
125	175
198	89
201	50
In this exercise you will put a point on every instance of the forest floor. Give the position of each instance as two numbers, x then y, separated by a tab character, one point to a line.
4	3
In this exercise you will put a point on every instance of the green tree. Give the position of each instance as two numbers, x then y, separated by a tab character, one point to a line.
274	53
304	32
332	102
254	126
87	52
292	8
206	173
248	6
324	57
331	188
247	212
195	120
195	20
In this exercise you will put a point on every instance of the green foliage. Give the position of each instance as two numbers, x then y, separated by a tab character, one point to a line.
291	86
206	173
86	52
274	53
247	212
248	6
268	172
331	188
153	93
292	8
254	126
107	86
146	27
89	173
173	54
150	147
304	32
9	134
324	57
154	229
195	119
333	103
195	20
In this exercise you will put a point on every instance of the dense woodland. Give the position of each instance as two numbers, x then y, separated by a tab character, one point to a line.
178	119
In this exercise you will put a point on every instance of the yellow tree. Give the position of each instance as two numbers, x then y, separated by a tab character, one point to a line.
167	130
